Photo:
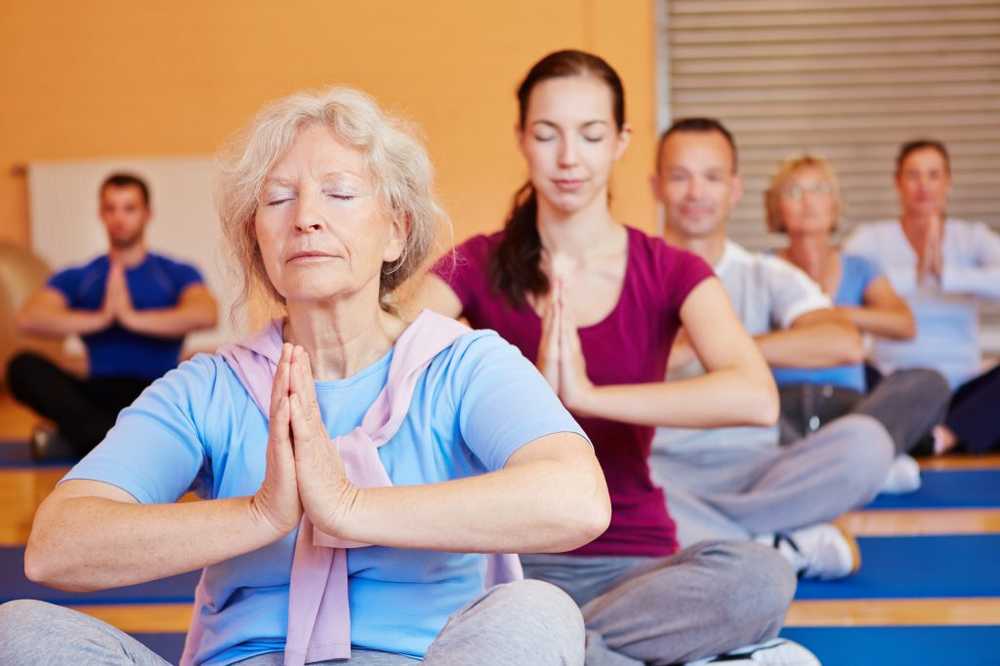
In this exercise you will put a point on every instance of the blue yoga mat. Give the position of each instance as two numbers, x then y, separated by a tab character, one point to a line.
900	646
917	567
13	585
948	489
14	455
168	646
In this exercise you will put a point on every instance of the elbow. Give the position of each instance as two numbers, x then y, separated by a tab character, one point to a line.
853	347
39	565
597	520
588	519
42	565
206	317
211	319
23	323
767	407
908	329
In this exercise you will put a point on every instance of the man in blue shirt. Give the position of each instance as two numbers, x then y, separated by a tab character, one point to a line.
131	307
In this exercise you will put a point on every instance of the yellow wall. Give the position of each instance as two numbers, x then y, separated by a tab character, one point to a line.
113	78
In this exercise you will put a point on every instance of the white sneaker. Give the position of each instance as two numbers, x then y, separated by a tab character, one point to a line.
825	551
903	476
775	652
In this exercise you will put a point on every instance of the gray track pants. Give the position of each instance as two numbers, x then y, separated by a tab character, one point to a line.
527	622
705	600
719	487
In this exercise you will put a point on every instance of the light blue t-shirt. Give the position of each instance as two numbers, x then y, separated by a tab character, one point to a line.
856	274
476	404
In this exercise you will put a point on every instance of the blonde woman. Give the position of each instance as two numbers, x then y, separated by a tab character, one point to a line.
803	202
328	206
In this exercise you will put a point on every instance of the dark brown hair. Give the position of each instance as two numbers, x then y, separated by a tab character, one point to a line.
699	125
121	179
913	146
515	267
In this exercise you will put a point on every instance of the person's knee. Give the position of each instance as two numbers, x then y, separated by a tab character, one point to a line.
865	454
20	368
758	584
929	387
535	604
544	600
22	622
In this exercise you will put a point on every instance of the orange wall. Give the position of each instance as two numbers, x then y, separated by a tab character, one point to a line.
119	78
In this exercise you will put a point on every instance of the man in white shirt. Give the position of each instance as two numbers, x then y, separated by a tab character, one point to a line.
942	266
738	482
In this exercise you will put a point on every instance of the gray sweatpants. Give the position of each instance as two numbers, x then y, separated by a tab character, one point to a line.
908	403
703	601
720	485
527	622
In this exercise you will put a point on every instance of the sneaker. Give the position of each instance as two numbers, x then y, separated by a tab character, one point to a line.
903	477
825	551
775	652
47	444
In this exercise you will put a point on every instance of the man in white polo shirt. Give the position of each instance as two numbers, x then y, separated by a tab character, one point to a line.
738	482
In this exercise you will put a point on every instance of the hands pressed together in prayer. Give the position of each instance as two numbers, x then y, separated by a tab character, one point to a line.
930	259
117	299
305	472
560	355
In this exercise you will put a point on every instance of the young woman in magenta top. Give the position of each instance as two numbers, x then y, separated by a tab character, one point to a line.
596	306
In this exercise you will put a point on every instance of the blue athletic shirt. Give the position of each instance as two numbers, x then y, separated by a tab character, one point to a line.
476	404
856	274
155	283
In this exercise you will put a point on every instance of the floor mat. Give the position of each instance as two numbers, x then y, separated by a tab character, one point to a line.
14	585
917	567
900	646
14	455
947	489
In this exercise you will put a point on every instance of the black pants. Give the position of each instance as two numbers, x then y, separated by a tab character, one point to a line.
83	409
974	413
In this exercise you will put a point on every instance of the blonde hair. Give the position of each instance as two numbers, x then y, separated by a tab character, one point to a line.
398	163
788	168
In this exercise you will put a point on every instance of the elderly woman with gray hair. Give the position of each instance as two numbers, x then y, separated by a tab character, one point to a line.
446	444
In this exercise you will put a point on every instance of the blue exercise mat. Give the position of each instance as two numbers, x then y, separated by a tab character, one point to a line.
951	489
13	585
917	567
168	646
14	455
900	646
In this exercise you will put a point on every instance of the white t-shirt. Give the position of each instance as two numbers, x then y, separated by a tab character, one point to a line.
768	294
947	312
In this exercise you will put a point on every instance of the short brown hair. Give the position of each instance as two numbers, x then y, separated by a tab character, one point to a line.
122	179
911	147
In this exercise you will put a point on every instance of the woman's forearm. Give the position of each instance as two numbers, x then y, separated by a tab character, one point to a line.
689	403
541	506
90	543
895	323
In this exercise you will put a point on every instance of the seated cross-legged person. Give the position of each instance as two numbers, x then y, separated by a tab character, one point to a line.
943	267
131	306
803	202
596	304
740	483
354	468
